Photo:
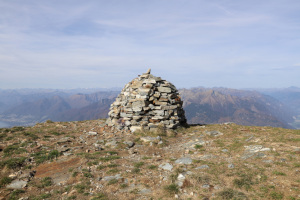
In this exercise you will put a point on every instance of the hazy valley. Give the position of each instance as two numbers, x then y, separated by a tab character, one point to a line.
269	107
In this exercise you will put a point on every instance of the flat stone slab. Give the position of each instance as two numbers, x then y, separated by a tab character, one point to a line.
213	133
92	133
192	144
256	148
145	191
16	184
230	166
184	160
149	139
109	178
202	167
166	166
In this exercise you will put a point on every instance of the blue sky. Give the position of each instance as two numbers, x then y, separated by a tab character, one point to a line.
107	43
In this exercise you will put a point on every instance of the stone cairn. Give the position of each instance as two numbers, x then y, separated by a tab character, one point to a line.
147	103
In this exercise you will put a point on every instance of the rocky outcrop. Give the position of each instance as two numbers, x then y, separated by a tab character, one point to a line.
147	102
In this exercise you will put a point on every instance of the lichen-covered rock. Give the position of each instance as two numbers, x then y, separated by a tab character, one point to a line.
147	103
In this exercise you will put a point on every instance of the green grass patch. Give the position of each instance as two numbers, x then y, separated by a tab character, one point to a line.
109	158
138	164
276	195
5	181
297	165
2	136
43	156
152	167
74	174
228	194
279	173
245	181
112	171
113	181
100	196
111	152
88	175
136	170
112	165
13	163
31	135
146	158
13	149
72	197
171	189
15	194
46	182
57	133
16	129
101	167
80	188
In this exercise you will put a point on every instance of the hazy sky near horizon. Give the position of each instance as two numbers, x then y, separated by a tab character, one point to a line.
106	43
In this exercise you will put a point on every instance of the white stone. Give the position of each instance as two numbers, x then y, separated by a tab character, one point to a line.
166	166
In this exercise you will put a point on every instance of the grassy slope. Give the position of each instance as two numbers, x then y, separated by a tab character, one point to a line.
269	174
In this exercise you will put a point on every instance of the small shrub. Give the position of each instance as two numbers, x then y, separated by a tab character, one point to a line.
67	188
4	181
88	175
171	189
14	195
201	179
80	188
44	196
112	171
31	135
106	159
244	181
279	173
139	164
146	158
92	163
13	163
13	149
112	165
17	128
123	185
276	195
112	152
100	196
297	165
43	156
47	181
74	174
152	167
113	181
72	197
9	138
136	170
101	167
57	133
198	146
2	136
227	193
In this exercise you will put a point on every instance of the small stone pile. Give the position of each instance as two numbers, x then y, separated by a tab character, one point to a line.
147	103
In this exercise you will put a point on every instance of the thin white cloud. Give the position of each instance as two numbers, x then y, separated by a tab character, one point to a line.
197	39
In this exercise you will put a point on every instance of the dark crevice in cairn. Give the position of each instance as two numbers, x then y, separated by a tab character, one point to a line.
147	103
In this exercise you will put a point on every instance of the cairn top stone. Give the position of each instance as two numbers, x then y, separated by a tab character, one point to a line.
147	103
148	71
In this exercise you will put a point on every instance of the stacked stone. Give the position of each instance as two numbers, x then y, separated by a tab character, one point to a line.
147	103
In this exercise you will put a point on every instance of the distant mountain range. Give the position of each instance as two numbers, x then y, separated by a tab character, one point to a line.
219	105
269	107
